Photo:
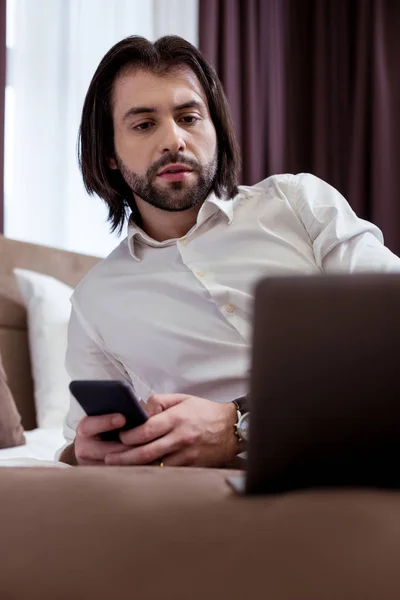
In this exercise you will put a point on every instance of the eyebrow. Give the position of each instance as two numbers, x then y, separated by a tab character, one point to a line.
139	110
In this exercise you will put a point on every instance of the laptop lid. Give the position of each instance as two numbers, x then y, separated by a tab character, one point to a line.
325	383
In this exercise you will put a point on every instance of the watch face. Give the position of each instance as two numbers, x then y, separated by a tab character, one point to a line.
244	427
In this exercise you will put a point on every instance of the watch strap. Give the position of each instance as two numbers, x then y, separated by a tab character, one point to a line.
240	412
243	404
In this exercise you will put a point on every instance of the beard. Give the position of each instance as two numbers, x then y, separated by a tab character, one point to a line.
178	195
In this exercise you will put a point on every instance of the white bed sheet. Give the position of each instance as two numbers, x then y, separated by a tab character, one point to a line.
39	450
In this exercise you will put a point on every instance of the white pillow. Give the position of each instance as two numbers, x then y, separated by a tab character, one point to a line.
47	302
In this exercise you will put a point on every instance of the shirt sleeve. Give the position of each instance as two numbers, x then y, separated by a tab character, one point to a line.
85	359
342	242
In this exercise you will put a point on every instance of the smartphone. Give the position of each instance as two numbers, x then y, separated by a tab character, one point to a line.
107	397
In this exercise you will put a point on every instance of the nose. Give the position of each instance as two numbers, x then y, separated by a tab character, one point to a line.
171	138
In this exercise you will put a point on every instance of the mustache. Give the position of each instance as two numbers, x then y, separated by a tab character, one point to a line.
171	158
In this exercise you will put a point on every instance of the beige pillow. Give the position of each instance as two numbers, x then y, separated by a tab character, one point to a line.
11	430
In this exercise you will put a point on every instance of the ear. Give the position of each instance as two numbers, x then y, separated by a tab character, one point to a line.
112	164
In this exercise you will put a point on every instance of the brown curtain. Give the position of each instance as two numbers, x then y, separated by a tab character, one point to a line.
314	86
2	98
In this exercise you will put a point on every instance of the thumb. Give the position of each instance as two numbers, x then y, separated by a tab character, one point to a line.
159	402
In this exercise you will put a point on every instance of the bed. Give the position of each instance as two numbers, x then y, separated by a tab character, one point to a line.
102	532
41	445
68	267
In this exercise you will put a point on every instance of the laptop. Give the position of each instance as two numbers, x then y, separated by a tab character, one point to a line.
325	389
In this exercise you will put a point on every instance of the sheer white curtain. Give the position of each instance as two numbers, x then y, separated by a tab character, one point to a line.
54	47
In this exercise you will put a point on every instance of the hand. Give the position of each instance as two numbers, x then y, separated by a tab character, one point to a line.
89	448
181	431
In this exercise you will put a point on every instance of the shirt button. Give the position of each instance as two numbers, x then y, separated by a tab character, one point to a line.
229	308
184	242
200	273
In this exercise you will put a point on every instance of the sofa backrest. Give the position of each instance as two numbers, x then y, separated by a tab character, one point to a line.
68	267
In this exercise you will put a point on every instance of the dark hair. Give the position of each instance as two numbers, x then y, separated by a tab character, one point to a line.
96	133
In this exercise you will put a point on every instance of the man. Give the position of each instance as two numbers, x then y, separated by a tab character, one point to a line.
170	309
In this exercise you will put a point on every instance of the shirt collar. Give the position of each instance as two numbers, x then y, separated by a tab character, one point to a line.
211	205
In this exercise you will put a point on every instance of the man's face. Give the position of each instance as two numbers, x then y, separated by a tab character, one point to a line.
164	138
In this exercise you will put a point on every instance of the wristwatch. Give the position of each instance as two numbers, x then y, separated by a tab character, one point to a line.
243	419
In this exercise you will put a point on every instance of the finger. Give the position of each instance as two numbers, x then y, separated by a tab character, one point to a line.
144	455
156	427
153	407
165	401
92	426
94	450
178	459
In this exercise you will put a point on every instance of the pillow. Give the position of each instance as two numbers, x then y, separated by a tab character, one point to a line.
11	430
47	302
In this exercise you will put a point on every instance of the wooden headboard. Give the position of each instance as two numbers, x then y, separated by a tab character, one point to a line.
68	267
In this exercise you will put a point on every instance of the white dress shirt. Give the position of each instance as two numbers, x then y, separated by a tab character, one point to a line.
175	316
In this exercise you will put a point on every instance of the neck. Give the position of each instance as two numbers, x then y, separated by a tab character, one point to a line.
163	225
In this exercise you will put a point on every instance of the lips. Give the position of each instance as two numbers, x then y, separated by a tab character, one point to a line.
175	169
175	172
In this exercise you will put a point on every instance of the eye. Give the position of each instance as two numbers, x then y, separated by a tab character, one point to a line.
190	119
143	126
